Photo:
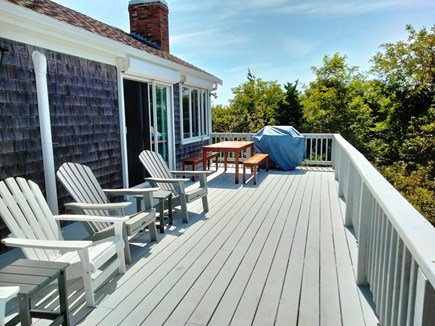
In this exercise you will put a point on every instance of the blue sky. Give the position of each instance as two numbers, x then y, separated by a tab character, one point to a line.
278	40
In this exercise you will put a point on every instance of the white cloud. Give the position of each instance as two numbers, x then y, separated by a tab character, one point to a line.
194	36
341	7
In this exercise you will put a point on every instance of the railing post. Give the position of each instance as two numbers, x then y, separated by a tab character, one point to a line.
353	198
363	236
424	313
343	172
336	159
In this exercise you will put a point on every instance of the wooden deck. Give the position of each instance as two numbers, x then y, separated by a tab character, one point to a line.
274	253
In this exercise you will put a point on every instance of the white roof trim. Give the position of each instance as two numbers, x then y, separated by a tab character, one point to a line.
197	82
140	68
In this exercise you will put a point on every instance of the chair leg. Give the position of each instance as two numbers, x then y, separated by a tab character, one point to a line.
184	212
127	253
153	231
205	203
87	277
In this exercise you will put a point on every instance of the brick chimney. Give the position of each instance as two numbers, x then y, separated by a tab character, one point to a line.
149	18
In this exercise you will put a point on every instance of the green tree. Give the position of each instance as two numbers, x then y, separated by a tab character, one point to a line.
290	112
406	70
335	101
405	119
221	118
255	104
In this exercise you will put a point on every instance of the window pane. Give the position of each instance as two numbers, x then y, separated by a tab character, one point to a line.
195	113
186	112
204	113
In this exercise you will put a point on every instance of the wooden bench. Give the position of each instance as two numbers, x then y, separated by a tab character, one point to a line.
192	161
254	163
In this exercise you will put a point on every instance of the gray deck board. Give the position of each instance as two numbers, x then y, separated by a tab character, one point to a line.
271	254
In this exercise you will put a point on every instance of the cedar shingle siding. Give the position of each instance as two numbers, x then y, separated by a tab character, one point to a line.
83	98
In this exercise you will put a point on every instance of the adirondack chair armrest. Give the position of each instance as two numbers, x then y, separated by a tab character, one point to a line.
175	180
91	218
8	292
105	206
191	173
65	245
202	175
130	192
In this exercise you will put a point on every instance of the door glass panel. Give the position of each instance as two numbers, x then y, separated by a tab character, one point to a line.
159	120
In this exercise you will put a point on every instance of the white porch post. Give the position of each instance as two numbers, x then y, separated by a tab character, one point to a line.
40	62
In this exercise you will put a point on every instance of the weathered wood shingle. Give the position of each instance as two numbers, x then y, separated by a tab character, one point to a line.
84	113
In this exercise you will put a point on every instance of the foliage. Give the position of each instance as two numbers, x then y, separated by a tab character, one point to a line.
334	102
389	117
406	73
414	186
221	117
290	113
255	104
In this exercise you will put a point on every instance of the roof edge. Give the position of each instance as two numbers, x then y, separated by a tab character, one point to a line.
25	25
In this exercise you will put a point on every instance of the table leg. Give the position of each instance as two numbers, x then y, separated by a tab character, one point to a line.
237	168
171	221
225	161
24	303
162	216
63	298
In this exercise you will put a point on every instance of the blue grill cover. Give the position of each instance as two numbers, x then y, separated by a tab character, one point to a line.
284	144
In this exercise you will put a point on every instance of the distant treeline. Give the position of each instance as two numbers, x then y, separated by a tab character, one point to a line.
387	113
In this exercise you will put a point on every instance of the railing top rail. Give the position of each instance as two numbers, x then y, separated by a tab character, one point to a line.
415	231
320	135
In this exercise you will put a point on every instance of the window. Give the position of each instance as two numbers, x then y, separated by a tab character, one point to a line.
195	109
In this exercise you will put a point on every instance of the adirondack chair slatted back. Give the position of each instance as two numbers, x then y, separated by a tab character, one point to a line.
27	215
83	186
157	168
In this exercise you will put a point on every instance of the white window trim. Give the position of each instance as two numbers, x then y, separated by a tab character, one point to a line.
202	128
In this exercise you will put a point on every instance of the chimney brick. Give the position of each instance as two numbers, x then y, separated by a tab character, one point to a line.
149	18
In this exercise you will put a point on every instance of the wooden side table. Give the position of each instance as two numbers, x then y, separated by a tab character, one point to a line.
162	196
32	276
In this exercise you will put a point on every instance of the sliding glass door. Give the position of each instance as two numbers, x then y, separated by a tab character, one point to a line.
160	115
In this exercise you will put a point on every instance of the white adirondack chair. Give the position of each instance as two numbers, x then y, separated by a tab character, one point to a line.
165	179
91	199
6	294
34	229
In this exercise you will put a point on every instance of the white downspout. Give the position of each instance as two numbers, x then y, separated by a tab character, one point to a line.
40	63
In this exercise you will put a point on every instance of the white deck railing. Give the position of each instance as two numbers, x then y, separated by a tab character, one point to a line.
318	146
396	244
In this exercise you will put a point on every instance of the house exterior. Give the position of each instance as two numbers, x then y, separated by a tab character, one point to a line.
111	94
